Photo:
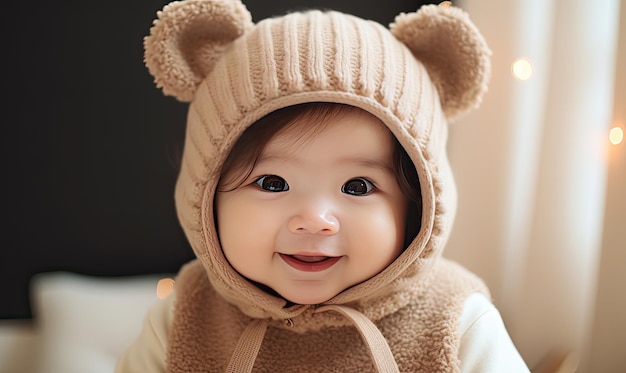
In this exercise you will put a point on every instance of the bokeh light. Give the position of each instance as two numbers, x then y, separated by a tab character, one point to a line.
164	287
616	135
522	69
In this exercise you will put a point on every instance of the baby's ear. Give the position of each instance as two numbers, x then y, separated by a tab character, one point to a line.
186	40
453	51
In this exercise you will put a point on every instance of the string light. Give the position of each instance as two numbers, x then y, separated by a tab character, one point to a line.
522	69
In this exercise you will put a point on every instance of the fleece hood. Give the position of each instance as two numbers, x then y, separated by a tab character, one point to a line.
427	69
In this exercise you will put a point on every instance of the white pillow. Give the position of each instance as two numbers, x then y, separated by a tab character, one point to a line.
86	322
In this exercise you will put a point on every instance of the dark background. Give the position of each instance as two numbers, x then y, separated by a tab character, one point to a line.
90	145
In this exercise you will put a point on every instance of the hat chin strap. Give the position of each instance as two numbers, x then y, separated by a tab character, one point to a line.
249	344
247	348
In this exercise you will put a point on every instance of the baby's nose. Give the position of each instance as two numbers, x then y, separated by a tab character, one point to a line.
314	221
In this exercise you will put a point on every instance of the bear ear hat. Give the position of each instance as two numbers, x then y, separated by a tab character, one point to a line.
186	40
188	37
453	51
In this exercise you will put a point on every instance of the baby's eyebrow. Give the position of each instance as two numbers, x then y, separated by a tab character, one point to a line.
369	162
273	158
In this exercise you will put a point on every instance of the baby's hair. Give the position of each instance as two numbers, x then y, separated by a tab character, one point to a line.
245	154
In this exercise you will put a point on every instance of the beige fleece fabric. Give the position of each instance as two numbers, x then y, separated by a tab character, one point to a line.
422	333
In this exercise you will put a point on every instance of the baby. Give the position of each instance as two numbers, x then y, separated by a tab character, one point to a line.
316	193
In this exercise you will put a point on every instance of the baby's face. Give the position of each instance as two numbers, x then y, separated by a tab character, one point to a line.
317	218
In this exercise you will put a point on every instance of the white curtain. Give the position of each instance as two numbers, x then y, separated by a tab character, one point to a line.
535	171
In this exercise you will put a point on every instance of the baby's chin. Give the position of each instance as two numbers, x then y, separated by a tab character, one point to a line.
304	298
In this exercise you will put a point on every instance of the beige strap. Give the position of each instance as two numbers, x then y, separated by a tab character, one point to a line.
247	347
378	347
249	343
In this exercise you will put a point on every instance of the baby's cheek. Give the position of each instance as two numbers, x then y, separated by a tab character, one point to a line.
379	240
244	235
390	225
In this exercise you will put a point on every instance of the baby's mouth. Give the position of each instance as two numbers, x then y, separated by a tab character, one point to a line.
310	259
310	263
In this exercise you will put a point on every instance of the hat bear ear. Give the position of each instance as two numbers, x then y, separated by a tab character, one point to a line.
453	51
186	40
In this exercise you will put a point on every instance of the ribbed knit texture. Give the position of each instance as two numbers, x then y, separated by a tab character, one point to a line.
431	67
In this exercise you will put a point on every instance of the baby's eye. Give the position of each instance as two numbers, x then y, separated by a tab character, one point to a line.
358	187
272	183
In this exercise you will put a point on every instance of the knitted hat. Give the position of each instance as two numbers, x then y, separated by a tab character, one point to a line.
430	67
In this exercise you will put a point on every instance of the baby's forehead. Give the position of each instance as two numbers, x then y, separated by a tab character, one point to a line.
349	135
305	125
